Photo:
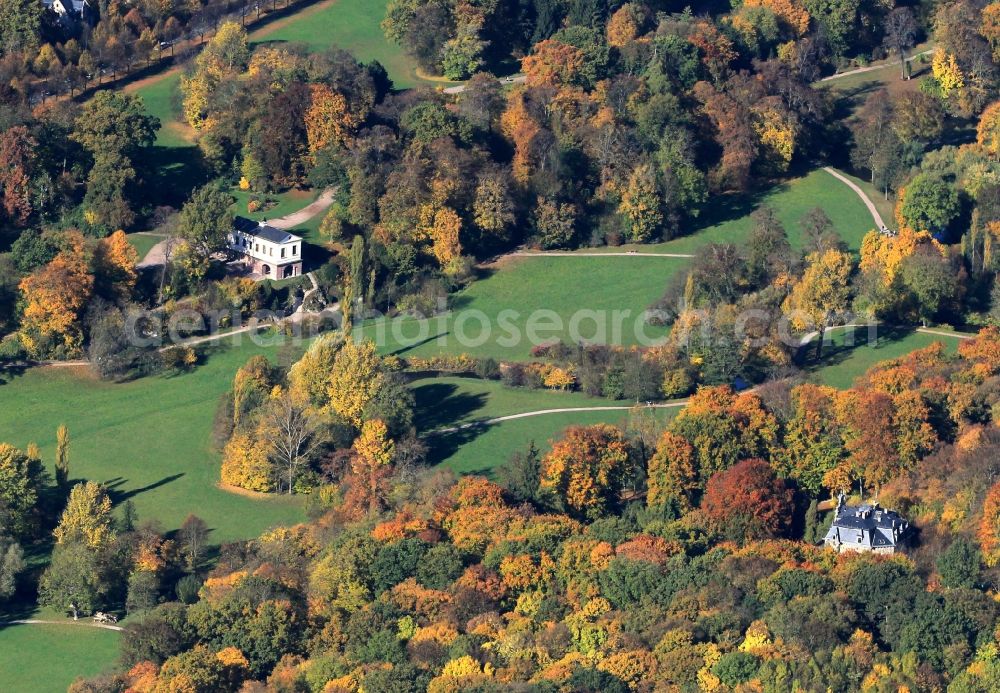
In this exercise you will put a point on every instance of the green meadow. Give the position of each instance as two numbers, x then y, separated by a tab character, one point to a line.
46	658
352	25
844	358
527	301
149	440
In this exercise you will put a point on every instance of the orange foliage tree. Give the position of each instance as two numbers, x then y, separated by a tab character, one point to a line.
114	265
749	501
54	296
553	63
989	527
587	469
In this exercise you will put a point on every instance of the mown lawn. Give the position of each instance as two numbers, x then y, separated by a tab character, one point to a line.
481	450
285	203
528	301
149	440
728	218
142	242
43	658
843	361
450	401
351	25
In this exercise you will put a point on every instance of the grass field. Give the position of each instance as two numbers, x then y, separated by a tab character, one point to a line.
287	202
481	449
352	25
510	299
148	440
142	242
842	362
728	218
46	658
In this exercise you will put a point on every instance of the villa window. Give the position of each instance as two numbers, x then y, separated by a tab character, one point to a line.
295	250
282	252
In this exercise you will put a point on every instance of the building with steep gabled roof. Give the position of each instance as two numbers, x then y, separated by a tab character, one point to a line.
866	527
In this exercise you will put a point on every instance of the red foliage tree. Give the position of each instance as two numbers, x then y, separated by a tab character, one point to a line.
747	501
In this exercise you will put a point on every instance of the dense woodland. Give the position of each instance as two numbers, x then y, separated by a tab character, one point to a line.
624	559
647	556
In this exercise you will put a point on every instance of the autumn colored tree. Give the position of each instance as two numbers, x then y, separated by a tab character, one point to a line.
62	456
87	518
114	266
748	501
822	293
587	469
329	119
641	205
672	474
245	464
988	130
812	443
989	527
54	298
357	375
442	226
17	162
374	451
553	63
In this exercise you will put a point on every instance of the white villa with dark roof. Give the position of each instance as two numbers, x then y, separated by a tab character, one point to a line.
270	252
864	527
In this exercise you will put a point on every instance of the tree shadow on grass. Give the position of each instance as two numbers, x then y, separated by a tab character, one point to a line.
176	172
442	404
113	487
441	446
409	347
835	353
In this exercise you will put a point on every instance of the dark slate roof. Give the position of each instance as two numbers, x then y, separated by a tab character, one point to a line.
867	526
264	231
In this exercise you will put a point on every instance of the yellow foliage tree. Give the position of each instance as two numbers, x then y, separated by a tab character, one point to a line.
328	119
442	226
948	74
54	295
822	292
355	378
245	464
87	517
988	130
114	264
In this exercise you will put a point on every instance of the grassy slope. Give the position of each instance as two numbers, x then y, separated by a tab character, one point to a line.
728	221
142	243
149	440
482	449
562	285
842	362
47	658
354	26
449	401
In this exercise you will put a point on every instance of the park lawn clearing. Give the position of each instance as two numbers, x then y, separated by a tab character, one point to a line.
143	242
149	440
46	658
481	449
728	219
443	402
841	362
510	299
286	203
351	25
